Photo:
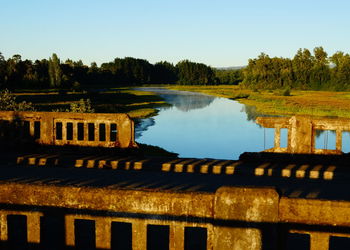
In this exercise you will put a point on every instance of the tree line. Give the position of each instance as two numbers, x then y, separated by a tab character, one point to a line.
306	70
16	73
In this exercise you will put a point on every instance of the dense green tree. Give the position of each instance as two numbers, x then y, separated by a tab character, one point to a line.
55	72
194	73
320	74
304	71
228	76
2	69
164	73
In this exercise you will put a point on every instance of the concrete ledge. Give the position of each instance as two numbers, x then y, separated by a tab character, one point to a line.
113	200
314	212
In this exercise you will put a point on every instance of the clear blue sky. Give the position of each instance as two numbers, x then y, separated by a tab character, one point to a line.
217	33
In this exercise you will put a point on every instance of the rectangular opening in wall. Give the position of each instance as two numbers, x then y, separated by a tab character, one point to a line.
121	236
113	133
158	237
345	141
91	131
52	232
37	131
69	131
195	238
297	241
80	131
5	130
268	140
58	130
325	139
85	237
339	243
26	128
17	231
102	132
283	137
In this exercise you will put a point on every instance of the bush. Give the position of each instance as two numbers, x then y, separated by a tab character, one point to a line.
8	103
286	92
83	106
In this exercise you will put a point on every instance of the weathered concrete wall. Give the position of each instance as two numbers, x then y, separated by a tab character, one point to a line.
302	133
233	216
49	124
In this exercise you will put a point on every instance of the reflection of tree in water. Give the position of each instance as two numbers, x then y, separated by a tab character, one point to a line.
187	102
251	112
183	100
142	125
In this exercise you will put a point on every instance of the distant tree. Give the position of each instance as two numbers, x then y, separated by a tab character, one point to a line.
228	76
2	69
320	75
194	73
55	72
164	72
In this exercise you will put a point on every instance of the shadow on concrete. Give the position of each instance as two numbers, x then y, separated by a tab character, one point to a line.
275	236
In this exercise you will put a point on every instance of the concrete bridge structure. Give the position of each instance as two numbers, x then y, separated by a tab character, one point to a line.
57	200
63	128
302	133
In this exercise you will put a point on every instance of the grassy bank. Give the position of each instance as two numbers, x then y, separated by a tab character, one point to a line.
138	104
318	103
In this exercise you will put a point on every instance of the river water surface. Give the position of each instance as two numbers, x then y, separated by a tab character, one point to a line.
203	126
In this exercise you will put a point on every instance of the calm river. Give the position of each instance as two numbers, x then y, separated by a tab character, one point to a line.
203	126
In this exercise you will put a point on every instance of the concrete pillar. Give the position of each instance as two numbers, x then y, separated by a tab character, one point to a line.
31	128
86	131
301	135
69	228
177	237
139	235
338	142
3	227
47	130
108	131
103	233
97	132
247	206
33	227
75	131
277	137
319	241
64	131
125	132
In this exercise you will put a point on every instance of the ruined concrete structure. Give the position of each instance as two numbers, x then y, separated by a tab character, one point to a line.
122	202
302	133
142	209
62	128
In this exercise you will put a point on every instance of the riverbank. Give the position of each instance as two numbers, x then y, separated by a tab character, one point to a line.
317	103
137	104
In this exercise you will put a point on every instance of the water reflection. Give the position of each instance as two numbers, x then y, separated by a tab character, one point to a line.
202	126
183	100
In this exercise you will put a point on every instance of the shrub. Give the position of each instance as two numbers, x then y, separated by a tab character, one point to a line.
8	103
286	92
83	106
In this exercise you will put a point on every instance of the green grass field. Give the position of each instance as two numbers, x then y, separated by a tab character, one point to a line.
138	104
317	103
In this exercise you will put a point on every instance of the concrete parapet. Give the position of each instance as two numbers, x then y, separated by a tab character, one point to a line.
232	217
247	206
81	129
302	133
